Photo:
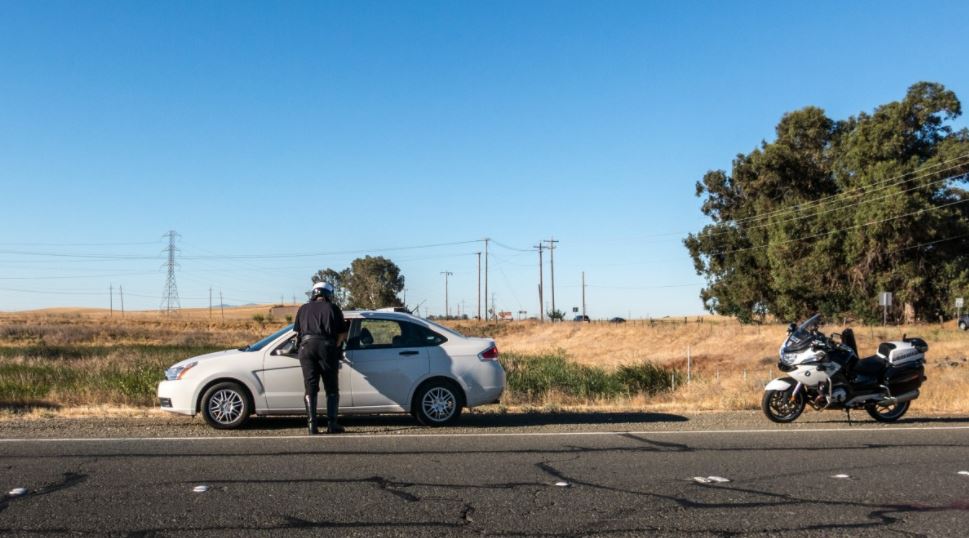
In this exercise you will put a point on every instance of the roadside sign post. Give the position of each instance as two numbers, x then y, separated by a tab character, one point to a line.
959	305
885	300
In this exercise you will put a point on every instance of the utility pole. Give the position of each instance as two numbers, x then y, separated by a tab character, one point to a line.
541	276
222	305
121	294
583	294
479	284
486	275
110	300
170	302
447	311
551	263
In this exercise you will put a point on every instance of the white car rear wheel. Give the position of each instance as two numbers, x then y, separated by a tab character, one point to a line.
438	403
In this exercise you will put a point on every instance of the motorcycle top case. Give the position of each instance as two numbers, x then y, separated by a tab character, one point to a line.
901	352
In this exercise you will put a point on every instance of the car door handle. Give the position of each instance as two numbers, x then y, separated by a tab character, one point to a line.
409	352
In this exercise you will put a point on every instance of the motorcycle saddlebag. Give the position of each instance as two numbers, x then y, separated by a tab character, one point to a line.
905	378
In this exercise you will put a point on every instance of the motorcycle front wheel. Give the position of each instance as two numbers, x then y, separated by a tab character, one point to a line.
781	405
887	413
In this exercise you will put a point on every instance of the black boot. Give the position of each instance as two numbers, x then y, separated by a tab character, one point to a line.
311	424
332	406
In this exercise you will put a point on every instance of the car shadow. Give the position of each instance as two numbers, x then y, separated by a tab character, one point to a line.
400	422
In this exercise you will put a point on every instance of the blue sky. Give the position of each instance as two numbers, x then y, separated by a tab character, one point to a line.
281	130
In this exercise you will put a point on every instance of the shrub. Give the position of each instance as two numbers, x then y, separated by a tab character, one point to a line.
533	377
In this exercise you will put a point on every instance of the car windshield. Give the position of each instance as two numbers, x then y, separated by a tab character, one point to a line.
265	341
443	328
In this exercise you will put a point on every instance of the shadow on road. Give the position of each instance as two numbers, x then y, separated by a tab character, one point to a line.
478	420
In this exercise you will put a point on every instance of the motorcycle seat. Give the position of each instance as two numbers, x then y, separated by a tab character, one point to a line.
870	366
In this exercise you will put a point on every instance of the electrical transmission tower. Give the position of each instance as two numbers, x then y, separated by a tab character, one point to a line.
170	303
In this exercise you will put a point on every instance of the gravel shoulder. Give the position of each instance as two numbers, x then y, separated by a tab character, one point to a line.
158	424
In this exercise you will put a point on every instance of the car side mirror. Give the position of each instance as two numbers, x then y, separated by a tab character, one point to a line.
288	349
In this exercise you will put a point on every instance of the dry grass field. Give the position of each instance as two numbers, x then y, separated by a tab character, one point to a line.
85	362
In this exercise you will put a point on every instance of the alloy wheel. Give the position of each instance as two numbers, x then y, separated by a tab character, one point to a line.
225	406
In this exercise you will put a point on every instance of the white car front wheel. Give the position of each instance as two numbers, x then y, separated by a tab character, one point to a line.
226	406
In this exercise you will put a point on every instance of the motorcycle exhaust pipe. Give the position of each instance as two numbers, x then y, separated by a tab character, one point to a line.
901	398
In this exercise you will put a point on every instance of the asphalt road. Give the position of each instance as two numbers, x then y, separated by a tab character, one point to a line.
900	479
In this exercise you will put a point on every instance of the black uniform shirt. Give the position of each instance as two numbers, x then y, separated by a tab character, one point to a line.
319	318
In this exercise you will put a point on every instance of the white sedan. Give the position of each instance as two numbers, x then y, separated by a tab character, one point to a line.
393	363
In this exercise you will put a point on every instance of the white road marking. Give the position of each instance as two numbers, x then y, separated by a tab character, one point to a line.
17	492
840	476
200	489
964	473
384	436
562	484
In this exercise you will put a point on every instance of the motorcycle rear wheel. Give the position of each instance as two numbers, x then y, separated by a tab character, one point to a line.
781	406
888	413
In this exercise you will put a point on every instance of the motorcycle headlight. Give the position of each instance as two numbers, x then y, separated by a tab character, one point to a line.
788	358
177	372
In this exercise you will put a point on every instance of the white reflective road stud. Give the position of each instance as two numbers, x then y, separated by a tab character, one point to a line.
964	473
701	479
562	484
17	492
840	476
718	479
200	489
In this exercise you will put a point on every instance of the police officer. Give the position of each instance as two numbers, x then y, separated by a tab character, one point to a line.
319	334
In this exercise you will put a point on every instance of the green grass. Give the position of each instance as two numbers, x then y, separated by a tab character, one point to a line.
532	377
129	375
86	375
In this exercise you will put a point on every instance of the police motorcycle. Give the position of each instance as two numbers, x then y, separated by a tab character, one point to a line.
825	372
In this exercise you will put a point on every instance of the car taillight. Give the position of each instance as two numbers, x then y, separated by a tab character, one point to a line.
490	354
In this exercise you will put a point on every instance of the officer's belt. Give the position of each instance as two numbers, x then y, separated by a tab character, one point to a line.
327	341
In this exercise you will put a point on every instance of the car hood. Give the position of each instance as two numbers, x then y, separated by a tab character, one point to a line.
206	357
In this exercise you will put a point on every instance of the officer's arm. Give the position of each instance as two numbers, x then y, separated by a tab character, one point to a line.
341	323
296	326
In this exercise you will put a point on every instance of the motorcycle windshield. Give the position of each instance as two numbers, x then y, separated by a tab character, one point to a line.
801	338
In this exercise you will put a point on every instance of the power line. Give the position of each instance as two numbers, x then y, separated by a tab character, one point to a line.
832	232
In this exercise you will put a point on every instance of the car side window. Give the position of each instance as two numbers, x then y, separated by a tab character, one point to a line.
385	333
377	333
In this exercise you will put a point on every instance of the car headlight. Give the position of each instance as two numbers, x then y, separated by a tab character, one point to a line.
178	372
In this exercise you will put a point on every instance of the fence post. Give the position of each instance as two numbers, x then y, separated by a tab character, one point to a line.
689	365
673	382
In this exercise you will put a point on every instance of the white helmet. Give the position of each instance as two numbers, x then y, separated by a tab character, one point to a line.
324	289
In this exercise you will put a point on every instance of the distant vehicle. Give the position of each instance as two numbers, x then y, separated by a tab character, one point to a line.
964	322
393	363
581	317
617	320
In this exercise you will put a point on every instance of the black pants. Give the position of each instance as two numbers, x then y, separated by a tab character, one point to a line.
318	359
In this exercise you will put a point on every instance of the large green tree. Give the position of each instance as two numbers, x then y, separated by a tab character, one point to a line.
832	212
370	282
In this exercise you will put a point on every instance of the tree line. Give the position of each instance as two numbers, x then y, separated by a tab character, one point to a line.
832	212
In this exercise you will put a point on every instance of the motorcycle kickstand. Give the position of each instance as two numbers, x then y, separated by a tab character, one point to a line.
848	412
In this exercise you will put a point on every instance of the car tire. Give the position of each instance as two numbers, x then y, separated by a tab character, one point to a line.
438	403
226	405
962	325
